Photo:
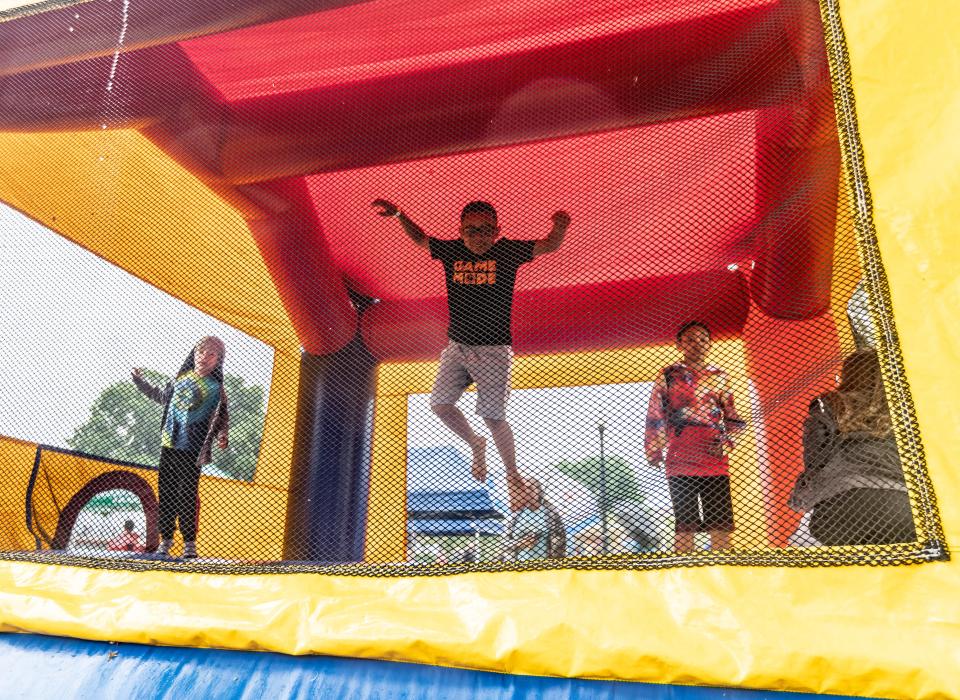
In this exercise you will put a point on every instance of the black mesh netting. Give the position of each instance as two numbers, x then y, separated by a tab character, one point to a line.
662	338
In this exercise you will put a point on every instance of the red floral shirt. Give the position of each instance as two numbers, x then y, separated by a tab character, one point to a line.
692	417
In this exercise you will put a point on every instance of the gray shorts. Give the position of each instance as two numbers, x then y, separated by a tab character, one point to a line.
487	366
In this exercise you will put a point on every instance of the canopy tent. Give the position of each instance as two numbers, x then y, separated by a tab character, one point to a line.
464	527
452	505
454	514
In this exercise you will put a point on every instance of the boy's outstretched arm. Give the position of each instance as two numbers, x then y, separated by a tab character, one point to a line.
414	232
655	438
561	220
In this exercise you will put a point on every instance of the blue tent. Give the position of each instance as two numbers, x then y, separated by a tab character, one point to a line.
487	527
469	505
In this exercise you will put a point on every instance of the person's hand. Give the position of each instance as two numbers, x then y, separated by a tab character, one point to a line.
527	542
222	441
386	208
716	447
561	219
656	459
136	373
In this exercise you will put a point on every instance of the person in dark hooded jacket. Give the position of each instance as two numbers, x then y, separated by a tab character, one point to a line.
194	415
853	480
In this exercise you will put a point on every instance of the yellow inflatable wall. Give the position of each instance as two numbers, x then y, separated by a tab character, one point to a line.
886	632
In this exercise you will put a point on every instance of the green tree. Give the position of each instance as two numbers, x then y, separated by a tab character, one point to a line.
621	484
125	425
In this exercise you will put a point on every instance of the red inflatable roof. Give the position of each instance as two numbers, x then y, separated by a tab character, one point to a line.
386	38
682	135
634	216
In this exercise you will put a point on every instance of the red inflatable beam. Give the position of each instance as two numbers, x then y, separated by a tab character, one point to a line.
310	287
601	83
794	241
798	180
146	87
588	317
91	29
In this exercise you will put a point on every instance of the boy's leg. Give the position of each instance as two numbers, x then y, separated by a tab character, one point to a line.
452	379
490	368
686	511
454	419
506	447
717	509
683	541
719	539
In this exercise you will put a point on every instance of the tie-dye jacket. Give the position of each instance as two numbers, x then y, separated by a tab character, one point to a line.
219	417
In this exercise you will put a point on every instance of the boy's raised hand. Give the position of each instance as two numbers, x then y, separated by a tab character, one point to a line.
415	233
386	208
554	239
527	542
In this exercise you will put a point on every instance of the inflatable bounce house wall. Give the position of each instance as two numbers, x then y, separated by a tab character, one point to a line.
714	164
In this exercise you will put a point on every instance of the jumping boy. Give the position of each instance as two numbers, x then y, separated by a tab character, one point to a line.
480	270
692	415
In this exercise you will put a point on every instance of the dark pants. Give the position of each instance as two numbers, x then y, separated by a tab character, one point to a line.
711	493
864	516
179	480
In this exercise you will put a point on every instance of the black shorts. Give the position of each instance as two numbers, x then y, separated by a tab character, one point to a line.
711	494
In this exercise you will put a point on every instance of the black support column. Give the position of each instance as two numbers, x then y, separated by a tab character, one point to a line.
326	511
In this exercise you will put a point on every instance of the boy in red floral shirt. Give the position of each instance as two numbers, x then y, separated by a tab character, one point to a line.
692	417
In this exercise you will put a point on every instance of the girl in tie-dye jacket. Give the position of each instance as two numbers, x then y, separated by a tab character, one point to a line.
194	415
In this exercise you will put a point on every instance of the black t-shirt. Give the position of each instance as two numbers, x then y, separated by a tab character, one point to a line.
480	288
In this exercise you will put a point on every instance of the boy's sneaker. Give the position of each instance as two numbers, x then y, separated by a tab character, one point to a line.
189	550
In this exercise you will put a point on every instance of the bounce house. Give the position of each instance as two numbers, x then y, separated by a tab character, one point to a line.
771	179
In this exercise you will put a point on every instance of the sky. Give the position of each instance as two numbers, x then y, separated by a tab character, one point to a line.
73	324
